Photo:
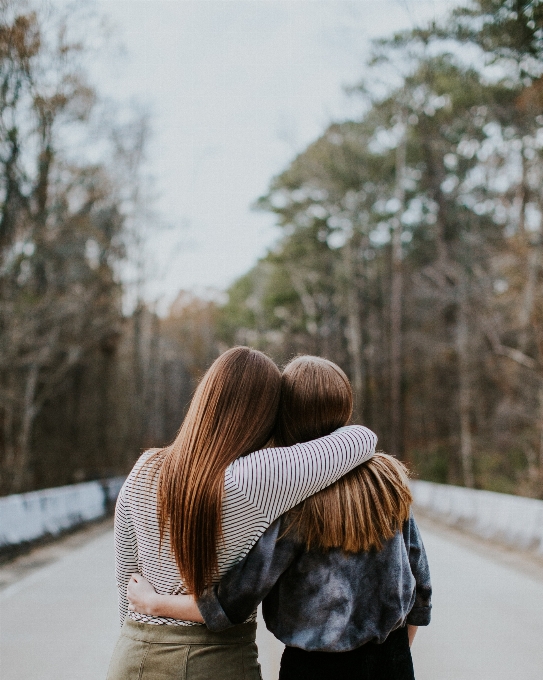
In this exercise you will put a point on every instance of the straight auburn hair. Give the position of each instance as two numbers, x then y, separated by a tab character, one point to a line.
370	503
231	414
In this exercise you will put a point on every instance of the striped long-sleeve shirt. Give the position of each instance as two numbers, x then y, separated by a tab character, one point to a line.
259	488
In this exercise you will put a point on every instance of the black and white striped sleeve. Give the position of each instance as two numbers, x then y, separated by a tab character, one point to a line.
126	552
276	479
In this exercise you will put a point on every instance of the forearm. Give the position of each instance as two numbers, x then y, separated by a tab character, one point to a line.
411	632
181	607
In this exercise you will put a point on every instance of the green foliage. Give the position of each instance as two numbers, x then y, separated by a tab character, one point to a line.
505	29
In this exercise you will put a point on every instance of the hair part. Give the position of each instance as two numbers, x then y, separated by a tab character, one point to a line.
231	414
316	399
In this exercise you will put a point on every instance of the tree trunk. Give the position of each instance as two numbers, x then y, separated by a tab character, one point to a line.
464	397
153	414
9	440
540	462
528	297
354	332
138	399
396	307
531	255
29	414
521	197
308	305
102	457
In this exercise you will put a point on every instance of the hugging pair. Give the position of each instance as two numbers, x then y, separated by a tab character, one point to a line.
318	527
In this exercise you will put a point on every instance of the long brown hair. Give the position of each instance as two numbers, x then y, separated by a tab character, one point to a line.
366	506
231	414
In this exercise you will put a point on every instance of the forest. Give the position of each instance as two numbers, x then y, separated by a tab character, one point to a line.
410	252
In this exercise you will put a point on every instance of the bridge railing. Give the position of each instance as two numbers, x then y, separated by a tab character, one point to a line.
29	516
512	520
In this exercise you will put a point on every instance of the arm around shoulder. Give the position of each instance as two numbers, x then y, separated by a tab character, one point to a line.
276	479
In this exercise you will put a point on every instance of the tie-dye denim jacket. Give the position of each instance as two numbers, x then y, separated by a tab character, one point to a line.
325	600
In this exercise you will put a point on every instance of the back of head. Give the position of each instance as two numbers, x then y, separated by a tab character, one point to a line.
366	506
231	414
316	399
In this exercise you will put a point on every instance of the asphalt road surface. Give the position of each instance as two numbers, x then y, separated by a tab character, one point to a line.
59	620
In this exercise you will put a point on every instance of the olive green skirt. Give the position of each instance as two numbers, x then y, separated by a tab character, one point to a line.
147	652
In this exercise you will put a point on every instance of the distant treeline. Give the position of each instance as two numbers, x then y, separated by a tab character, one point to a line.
411	252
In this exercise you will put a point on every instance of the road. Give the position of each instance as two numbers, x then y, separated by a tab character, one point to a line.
59	622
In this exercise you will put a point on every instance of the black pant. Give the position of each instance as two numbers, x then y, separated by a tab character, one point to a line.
388	661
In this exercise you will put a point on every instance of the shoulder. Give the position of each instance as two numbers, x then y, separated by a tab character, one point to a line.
141	476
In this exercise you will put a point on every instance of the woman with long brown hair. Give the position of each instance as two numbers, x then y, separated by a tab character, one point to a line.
188	512
342	571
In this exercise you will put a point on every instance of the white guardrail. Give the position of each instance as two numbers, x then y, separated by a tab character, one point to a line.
512	520
27	516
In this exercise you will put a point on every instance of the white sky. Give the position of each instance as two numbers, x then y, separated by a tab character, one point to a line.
235	89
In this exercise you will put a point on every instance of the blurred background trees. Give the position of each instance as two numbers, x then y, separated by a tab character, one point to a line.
411	253
78	377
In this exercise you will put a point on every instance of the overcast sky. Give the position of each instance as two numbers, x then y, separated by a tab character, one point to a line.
235	88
